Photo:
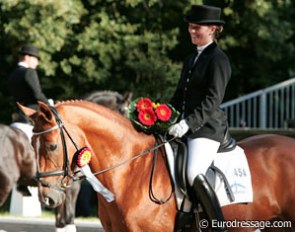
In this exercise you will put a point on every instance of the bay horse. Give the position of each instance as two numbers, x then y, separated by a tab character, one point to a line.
18	166
65	212
17	160
113	141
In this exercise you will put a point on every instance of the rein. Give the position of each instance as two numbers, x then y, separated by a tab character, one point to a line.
134	157
151	192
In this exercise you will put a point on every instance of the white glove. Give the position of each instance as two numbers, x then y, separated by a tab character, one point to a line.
50	102
179	129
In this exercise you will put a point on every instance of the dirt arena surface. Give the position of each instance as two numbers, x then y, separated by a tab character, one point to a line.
20	224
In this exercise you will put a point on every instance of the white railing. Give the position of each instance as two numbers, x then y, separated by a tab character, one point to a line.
269	108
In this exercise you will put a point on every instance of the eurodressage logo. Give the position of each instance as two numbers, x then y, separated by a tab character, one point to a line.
238	188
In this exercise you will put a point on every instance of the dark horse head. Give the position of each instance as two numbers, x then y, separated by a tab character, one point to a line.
17	160
111	99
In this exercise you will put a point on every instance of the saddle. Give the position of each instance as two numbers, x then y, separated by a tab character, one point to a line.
179	148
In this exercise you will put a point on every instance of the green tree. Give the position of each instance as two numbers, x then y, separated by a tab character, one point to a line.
47	25
88	45
139	45
260	41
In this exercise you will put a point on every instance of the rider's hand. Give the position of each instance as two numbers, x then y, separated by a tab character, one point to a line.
50	102
179	129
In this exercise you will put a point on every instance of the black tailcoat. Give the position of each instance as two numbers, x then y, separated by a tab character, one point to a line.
24	86
200	92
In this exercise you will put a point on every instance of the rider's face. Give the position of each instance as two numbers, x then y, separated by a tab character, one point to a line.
201	34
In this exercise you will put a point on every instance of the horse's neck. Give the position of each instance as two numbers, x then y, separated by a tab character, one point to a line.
111	136
115	149
113	146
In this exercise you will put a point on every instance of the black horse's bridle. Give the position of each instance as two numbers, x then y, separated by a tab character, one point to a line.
65	172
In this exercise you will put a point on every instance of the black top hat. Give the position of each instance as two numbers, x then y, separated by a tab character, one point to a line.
203	14
29	50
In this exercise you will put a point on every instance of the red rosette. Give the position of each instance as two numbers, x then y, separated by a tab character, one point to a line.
83	156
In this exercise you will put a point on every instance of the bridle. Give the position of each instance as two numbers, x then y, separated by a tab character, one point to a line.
65	172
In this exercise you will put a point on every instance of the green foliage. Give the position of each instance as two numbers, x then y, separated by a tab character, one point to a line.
260	43
139	45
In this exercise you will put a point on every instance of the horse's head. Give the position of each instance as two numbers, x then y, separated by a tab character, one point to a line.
17	160
111	99
54	172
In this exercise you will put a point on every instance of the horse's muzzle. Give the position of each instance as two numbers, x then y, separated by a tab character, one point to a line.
51	197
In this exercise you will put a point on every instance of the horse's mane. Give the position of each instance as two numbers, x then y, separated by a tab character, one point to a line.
99	109
106	95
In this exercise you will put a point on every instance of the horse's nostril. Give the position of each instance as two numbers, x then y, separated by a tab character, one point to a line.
46	201
53	198
49	202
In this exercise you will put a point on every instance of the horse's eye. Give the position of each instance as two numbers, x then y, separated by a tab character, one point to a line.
51	147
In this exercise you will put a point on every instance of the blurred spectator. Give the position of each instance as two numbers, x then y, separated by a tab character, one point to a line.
23	82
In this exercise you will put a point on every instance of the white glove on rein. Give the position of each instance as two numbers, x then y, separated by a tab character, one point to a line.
179	129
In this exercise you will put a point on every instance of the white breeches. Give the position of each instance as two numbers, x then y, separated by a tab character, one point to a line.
201	153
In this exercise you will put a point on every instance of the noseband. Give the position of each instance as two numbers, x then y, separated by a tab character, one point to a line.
65	172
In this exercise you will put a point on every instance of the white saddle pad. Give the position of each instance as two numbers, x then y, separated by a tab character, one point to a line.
234	165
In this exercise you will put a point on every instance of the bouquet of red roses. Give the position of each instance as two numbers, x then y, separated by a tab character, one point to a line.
150	116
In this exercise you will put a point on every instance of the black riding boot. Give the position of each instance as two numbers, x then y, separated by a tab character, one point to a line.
183	222
208	200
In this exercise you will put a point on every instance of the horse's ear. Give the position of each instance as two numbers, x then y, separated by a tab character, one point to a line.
127	97
26	110
45	111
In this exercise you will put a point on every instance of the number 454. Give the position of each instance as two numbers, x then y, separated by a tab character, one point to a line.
240	172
